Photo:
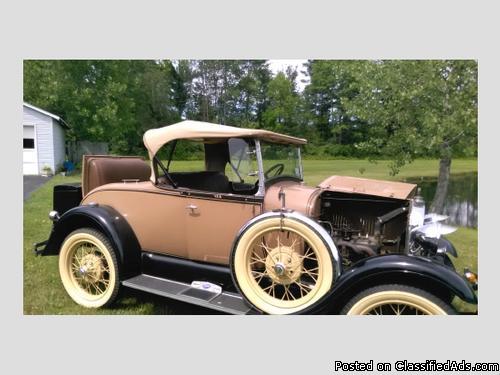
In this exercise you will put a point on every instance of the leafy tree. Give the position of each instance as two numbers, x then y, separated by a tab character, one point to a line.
42	82
417	108
181	85
252	92
330	81
400	109
214	89
281	113
104	100
228	91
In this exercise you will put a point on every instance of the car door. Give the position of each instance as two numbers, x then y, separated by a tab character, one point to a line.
157	216
213	222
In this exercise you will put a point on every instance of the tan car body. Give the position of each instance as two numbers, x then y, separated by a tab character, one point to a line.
201	225
176	223
263	243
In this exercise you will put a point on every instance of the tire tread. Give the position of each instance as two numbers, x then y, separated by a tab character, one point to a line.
399	287
109	247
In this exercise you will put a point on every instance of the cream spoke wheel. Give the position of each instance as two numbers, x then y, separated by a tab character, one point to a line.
282	266
396	310
396	299
89	268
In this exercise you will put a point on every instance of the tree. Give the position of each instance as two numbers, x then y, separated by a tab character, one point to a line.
214	89
281	114
228	91
252	92
417	108
331	80
105	100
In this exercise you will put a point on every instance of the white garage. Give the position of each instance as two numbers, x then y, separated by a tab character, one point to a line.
43	140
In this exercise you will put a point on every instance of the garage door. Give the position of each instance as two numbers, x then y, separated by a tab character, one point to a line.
30	160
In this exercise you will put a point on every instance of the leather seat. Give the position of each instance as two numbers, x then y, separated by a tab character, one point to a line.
205	180
101	170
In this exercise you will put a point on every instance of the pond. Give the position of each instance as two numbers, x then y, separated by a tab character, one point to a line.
461	201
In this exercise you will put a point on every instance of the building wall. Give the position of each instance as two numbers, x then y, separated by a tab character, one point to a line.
58	133
44	136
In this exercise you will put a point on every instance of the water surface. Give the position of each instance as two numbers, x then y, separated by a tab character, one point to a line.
461	201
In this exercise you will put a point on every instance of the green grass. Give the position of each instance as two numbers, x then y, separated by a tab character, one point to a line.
43	291
465	241
316	171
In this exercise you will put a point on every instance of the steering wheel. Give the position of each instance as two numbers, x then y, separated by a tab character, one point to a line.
276	168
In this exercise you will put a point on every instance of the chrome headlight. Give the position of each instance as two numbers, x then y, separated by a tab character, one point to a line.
417	210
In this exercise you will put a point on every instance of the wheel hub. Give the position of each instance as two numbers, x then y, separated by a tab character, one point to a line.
283	265
279	269
91	268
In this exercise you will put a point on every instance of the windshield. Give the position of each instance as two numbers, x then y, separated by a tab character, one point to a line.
281	160
242	164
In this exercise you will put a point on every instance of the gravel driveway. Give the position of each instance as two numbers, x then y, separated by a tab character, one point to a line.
31	183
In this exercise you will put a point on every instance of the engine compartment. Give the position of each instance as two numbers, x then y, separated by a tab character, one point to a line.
362	225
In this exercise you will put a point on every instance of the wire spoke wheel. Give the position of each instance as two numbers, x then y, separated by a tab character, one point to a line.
396	299
282	267
88	268
396	309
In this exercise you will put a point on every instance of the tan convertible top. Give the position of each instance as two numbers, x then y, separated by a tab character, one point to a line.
154	139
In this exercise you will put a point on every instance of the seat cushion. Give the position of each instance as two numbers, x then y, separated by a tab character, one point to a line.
101	170
205	180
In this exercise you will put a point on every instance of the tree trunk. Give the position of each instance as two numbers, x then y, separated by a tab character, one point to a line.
442	185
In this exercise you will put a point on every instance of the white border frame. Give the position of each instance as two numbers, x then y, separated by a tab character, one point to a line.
199	29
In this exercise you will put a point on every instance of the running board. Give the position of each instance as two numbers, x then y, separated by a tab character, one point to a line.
231	303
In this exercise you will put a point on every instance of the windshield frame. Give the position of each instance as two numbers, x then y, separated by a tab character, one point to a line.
262	186
260	163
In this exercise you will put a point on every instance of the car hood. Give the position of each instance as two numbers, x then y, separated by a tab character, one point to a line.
298	197
380	188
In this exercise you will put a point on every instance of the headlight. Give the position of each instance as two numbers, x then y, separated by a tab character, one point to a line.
417	210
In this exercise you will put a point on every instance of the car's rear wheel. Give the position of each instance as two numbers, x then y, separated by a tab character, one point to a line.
281	266
88	268
396	299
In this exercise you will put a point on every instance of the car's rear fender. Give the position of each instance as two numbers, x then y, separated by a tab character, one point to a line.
402	269
110	223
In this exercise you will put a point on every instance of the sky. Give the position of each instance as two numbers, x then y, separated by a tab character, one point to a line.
281	65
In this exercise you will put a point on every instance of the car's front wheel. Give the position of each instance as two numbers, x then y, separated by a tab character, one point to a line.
396	299
282	266
88	268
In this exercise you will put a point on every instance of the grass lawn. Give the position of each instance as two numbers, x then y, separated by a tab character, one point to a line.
465	241
316	171
43	291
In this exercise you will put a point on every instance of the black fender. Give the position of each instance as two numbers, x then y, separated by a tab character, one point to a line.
105	219
441	244
447	247
396	268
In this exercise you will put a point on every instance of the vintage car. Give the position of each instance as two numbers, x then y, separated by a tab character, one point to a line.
245	235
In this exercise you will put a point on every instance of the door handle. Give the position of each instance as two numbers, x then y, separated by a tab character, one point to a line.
191	207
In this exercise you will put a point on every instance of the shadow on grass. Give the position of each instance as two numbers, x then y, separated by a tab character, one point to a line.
159	305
